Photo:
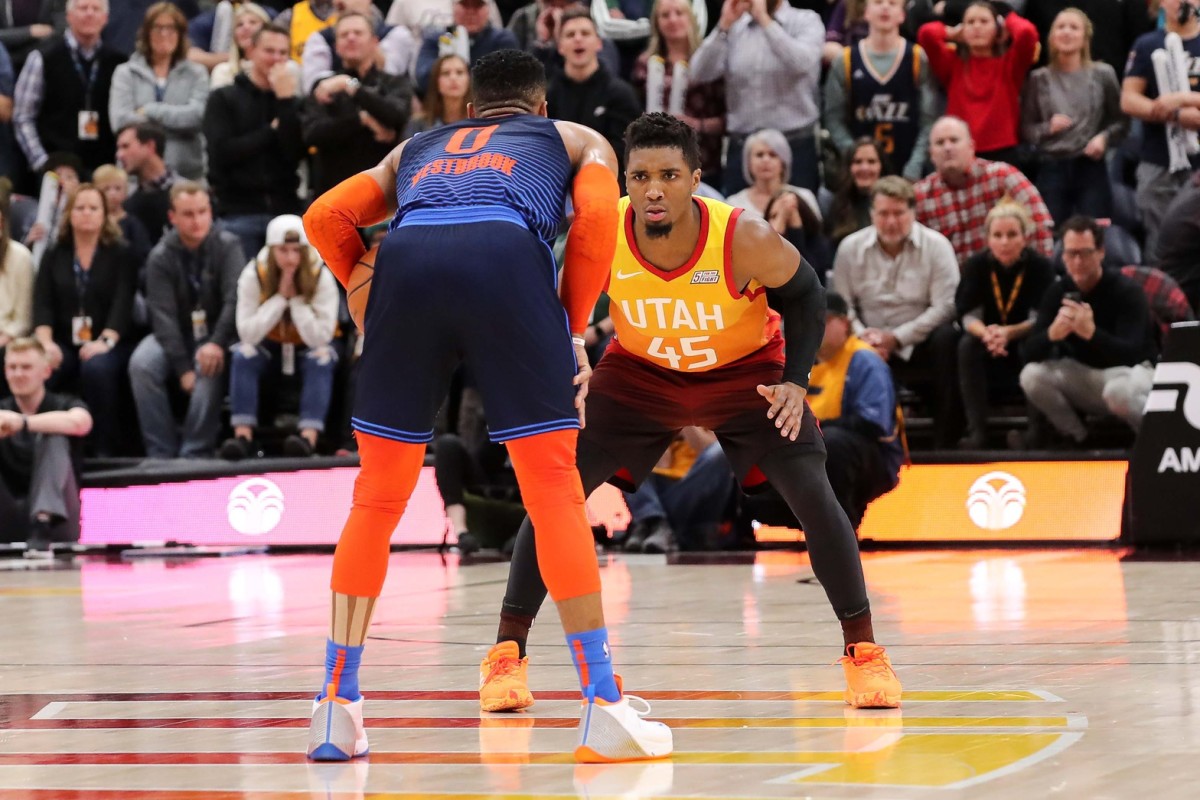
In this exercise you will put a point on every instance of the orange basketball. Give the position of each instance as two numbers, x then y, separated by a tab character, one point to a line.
359	287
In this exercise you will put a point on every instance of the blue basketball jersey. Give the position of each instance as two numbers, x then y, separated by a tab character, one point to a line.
886	108
517	162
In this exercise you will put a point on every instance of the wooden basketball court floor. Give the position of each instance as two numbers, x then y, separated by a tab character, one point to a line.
1028	674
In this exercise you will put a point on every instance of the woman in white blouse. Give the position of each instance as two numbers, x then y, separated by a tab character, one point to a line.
16	289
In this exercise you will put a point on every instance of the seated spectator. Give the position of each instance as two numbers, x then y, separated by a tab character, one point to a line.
772	73
26	26
766	163
191	284
864	163
477	36
445	100
997	302
674	37
1092	346
956	198
302	20
880	88
139	152
287	311
159	84
1072	113
248	20
851	393
113	183
1178	252
210	54
354	118
793	219
898	278
39	486
8	86
78	69
982	64
395	50
83	311
255	143
585	91
1158	180
16	289
681	503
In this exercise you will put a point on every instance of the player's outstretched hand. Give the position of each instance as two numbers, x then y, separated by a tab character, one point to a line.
581	381
787	407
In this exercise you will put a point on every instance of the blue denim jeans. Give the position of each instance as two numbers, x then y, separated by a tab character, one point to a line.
151	375
249	365
697	499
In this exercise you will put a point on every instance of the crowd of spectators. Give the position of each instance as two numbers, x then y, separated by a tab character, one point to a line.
970	177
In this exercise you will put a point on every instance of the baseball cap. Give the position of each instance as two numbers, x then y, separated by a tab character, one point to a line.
286	229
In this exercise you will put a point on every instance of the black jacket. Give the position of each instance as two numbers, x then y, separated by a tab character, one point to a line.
976	290
172	296
252	166
603	102
109	286
1123	335
344	145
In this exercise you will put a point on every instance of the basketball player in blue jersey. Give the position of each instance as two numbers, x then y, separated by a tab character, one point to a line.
466	273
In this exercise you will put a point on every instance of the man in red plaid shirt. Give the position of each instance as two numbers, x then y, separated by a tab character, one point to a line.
955	200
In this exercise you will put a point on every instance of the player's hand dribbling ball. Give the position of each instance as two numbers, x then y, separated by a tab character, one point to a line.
359	286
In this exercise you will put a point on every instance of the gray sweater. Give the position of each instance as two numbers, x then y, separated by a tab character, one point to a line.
1090	96
181	110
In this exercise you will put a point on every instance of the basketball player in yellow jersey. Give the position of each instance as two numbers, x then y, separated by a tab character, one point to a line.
697	344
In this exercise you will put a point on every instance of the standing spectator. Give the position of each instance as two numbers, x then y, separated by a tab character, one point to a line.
26	25
113	183
1178	252
139	152
482	38
1157	185
255	144
8	83
446	98
78	69
395	50
899	279
248	20
302	20
536	27
770	57
39	488
1072	114
844	27
1118	23
852	394
16	288
956	198
83	311
200	35
159	84
354	118
766	163
674	37
997	303
585	91
881	88
983	74
421	15
128	16
287	310
1091	347
191	280
864	163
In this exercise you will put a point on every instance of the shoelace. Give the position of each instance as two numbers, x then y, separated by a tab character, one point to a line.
870	662
504	666
641	712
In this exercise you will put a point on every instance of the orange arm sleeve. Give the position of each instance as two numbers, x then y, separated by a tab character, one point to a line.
591	244
333	220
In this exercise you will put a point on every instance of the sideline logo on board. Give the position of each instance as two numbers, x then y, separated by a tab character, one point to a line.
255	507
996	501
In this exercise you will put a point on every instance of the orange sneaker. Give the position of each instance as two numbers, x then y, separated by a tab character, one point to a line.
503	679
870	680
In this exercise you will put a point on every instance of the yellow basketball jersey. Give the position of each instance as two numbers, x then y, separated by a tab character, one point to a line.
304	24
691	319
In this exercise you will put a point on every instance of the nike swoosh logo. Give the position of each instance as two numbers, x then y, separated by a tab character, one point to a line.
622	276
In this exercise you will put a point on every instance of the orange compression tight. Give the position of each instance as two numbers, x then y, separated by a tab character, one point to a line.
385	481
553	496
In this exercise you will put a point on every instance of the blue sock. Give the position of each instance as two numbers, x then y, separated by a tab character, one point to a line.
347	676
589	651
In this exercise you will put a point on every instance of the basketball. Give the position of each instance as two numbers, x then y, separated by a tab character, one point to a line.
358	289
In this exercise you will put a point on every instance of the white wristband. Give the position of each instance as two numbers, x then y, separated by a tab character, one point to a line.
579	340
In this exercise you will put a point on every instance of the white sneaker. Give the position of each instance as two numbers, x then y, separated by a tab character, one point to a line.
336	732
616	732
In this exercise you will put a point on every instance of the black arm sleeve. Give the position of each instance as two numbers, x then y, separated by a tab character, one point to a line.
801	303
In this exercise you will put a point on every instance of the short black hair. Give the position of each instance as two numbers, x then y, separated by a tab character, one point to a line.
574	13
148	132
267	30
663	130
508	78
1082	224
836	304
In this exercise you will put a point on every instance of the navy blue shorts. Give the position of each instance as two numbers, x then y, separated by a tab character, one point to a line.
453	287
